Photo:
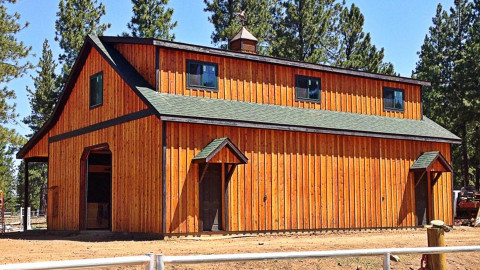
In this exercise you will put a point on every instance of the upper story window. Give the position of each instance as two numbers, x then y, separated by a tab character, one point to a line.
96	89
393	99
202	75
307	88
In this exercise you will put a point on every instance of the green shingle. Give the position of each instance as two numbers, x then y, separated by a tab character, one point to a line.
275	116
424	161
368	125
210	148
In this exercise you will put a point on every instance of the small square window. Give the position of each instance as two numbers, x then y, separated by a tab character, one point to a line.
307	88
202	75
393	99
96	89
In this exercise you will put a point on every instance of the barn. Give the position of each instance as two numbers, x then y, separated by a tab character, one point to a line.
172	138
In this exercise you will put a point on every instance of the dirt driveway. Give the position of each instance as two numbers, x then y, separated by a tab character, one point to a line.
42	246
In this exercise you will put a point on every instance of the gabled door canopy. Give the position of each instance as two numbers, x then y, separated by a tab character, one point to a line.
427	160
214	147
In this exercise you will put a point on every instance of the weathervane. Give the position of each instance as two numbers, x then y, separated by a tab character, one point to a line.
241	17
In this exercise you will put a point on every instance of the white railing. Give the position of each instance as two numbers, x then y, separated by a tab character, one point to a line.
147	260
386	252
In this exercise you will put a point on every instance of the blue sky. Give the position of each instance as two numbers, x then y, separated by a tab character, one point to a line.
398	26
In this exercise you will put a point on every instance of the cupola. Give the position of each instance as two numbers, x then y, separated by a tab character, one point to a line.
244	41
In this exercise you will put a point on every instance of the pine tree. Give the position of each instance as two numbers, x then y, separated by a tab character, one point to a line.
355	48
259	20
45	93
305	30
152	20
75	20
447	100
12	54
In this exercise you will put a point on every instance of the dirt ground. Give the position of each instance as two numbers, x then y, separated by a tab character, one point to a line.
44	246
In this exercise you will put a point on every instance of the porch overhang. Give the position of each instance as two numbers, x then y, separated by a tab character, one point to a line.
431	161
233	155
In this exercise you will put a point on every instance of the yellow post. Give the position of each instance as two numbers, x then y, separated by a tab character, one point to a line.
436	239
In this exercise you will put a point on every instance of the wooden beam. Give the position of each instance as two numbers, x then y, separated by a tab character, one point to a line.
203	169
420	178
437	176
230	172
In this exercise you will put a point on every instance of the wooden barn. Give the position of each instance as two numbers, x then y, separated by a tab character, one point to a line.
172	138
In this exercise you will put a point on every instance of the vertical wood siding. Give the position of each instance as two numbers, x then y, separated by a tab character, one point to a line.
274	84
310	181
136	176
118	99
141	57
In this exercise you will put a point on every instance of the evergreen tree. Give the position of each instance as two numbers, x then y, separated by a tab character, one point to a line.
152	20
10	142
448	101
12	52
45	93
355	48
75	20
259	20
305	30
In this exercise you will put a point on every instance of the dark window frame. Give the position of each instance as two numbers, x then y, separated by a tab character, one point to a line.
92	106
385	108
297	98
201	87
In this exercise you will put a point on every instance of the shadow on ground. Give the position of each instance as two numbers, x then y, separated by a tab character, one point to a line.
80	236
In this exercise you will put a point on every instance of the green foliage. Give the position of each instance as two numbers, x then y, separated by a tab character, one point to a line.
10	142
12	54
45	93
316	31
152	20
259	20
75	20
306	30
449	59
355	50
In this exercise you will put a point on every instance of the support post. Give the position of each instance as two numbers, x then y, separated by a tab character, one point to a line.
151	264
26	196
436	239
161	262
386	261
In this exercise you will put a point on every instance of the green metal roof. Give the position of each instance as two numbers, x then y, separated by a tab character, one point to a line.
215	146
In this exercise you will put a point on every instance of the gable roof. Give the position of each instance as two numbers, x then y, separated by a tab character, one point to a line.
427	159
244	34
209	151
118	63
236	113
260	58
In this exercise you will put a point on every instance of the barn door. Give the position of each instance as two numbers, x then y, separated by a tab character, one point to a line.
211	198
421	199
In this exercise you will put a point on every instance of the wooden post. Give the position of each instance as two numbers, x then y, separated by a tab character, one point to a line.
26	202
436	239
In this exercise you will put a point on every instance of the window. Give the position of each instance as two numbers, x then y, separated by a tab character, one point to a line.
202	75
96	89
307	88
393	99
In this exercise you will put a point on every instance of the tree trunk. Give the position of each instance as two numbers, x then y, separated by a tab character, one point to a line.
465	157
477	179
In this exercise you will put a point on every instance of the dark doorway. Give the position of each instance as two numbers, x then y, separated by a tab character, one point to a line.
211	198
99	190
421	198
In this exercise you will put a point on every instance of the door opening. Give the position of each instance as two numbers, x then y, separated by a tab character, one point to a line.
98	190
211	198
421	199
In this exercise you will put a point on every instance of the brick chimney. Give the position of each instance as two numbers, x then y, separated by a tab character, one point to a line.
244	41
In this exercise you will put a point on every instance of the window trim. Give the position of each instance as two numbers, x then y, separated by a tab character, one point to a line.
200	87
386	88
319	100
90	91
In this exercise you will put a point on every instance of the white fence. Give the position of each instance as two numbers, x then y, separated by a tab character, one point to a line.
162	259
149	259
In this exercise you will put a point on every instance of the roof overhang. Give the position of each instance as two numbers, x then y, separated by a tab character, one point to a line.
214	147
426	161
